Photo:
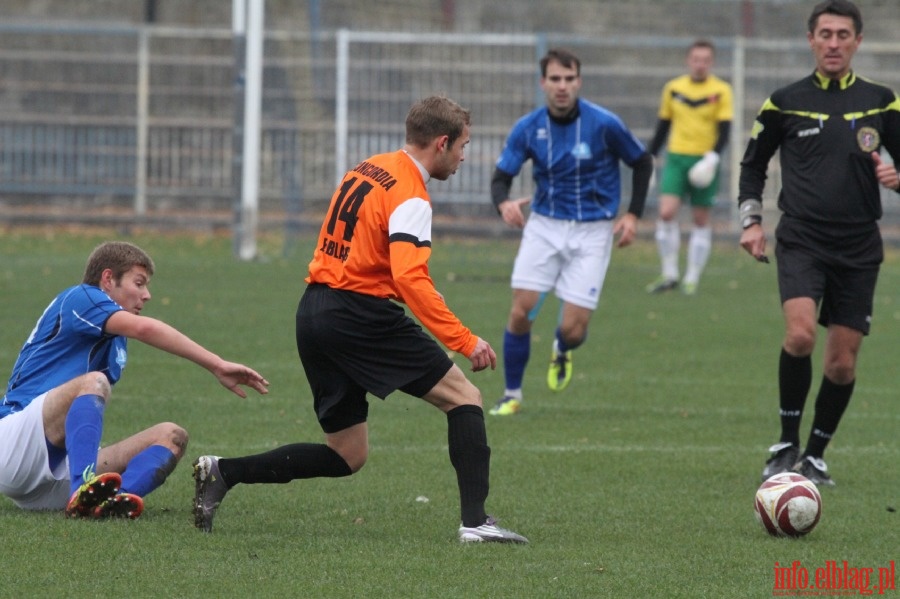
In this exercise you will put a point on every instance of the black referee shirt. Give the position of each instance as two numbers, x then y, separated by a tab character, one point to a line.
826	131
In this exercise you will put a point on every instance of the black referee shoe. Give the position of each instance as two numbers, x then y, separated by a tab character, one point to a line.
815	470
784	456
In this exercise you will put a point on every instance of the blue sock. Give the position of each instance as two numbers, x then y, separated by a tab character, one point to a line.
148	470
561	343
561	346
516	351
84	427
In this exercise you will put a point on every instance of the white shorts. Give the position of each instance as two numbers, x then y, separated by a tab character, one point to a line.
570	256
25	475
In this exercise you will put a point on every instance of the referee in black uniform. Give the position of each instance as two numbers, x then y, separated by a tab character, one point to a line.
830	127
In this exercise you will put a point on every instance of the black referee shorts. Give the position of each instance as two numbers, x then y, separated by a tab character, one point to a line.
837	266
351	344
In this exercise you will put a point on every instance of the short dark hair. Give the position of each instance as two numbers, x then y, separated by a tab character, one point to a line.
563	57
702	43
118	256
433	117
841	8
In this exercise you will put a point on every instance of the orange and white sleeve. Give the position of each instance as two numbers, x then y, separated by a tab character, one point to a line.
410	247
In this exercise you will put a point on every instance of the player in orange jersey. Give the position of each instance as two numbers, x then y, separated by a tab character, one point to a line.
353	337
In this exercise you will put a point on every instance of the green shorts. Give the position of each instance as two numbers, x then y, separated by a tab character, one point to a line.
675	181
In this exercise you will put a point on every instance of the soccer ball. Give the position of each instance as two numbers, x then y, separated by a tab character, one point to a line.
788	505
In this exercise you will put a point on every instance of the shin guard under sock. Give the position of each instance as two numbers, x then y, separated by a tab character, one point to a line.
84	428
471	457
830	405
516	351
148	470
794	381
284	464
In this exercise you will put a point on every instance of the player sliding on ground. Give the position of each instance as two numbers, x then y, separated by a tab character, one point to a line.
51	417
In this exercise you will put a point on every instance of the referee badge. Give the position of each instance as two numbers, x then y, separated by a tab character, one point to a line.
868	139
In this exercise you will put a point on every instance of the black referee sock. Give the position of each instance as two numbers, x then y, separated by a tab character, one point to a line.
830	405
471	457
794	381
284	464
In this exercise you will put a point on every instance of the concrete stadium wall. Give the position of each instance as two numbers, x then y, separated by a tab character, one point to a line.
726	18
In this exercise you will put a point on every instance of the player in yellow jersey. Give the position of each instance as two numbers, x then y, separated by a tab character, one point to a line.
695	114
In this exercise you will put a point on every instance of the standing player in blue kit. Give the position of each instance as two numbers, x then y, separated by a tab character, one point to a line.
575	148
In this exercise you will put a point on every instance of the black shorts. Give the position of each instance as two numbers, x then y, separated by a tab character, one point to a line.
351	344
836	266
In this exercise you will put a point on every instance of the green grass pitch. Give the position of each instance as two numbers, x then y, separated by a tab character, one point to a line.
636	481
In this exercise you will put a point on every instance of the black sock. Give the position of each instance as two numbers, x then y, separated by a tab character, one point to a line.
830	405
794	381
284	464
471	457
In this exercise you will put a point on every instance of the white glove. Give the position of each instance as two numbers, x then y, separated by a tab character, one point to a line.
702	173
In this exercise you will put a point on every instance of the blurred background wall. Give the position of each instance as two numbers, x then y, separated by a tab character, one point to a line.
125	110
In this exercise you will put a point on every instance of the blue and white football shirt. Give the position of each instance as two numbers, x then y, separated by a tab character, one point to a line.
67	341
575	164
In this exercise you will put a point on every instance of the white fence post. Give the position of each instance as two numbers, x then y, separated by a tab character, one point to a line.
143	102
738	135
342	70
252	120
239	55
248	29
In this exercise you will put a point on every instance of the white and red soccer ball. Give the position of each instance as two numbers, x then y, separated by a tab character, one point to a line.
788	505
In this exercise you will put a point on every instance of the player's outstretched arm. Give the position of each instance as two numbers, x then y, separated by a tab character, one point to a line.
167	338
232	375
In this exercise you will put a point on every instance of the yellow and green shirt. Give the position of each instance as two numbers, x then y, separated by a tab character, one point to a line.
695	110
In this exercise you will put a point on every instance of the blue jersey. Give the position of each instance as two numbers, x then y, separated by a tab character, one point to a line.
67	341
575	164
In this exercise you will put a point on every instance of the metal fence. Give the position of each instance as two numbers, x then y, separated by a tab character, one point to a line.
139	121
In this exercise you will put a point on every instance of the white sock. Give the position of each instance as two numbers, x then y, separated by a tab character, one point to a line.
668	241
699	248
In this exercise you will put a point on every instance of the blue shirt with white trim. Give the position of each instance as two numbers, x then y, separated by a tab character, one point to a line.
67	341
575	163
